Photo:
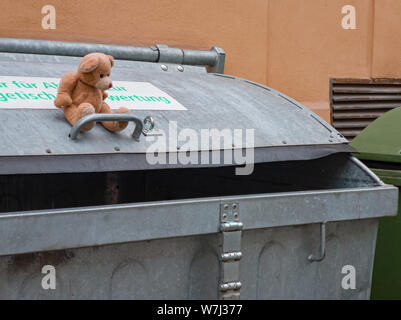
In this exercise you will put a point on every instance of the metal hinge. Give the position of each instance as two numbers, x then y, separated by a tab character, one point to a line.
230	227
214	58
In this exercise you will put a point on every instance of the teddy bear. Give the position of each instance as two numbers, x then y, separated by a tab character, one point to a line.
83	92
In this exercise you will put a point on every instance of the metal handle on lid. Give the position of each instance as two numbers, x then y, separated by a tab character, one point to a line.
107	117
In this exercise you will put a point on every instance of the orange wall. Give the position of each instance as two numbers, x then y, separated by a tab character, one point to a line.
387	39
308	46
294	46
238	26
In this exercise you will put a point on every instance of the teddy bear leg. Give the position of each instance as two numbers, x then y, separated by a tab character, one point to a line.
114	125
73	113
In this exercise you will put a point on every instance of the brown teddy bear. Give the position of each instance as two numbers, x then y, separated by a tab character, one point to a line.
83	92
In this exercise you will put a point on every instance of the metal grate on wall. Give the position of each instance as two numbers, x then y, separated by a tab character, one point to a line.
355	103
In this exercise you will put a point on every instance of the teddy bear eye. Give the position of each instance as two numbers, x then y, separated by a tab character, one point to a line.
102	75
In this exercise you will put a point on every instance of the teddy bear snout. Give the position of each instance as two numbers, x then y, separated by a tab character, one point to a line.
104	83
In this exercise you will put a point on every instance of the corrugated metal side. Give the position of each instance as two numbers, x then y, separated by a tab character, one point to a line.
355	103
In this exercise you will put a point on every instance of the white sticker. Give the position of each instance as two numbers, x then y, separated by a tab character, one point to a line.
39	93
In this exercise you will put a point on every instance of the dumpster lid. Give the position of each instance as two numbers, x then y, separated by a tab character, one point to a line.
381	140
36	140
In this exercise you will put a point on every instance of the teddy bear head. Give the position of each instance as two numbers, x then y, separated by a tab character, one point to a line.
94	70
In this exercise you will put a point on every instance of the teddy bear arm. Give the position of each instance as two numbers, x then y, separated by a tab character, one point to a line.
66	87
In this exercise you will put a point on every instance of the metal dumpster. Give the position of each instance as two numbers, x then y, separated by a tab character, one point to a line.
113	223
379	146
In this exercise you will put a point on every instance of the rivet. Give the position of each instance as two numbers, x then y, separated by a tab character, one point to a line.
116	148
284	142
225	206
330	140
234	206
164	67
180	68
48	151
235	215
224	216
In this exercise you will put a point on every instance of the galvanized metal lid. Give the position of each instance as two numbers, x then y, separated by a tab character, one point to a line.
381	140
37	140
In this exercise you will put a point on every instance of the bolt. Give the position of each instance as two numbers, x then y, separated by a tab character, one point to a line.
224	216
180	68
164	67
234	206
225	206
235	215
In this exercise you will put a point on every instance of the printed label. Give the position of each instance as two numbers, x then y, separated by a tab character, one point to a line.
39	93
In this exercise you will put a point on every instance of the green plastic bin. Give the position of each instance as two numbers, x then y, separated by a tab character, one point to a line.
379	147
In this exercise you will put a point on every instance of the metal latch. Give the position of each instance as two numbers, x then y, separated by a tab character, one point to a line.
149	127
322	252
231	254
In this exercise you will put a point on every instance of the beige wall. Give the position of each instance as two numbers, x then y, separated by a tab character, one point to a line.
294	46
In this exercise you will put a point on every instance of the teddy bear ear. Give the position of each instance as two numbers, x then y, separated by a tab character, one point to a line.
88	64
111	60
